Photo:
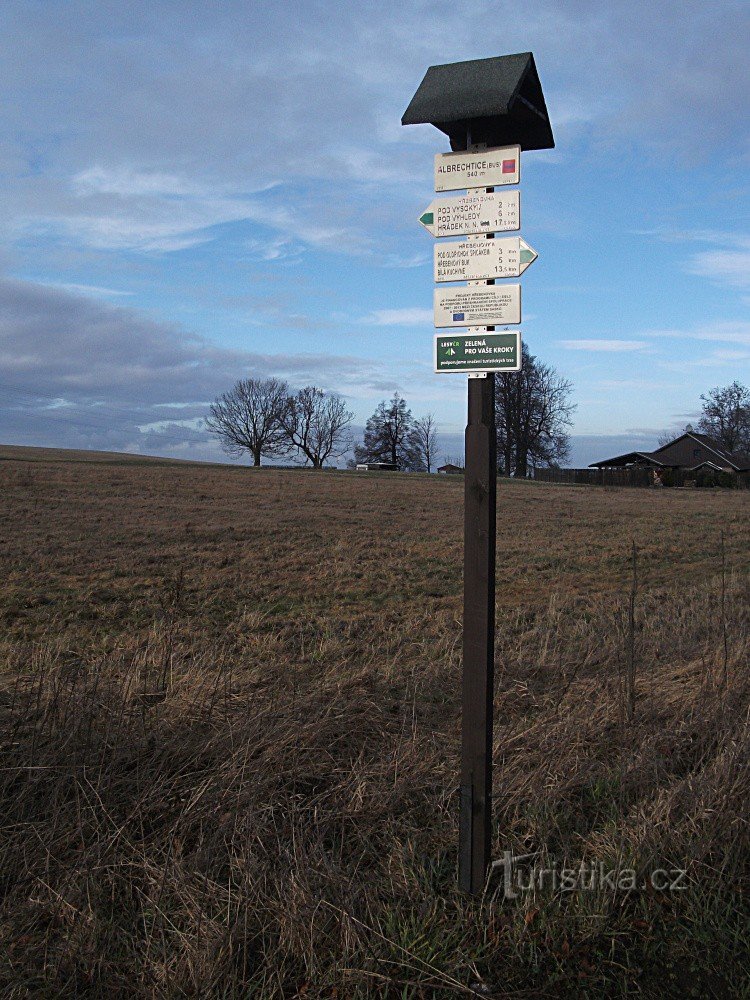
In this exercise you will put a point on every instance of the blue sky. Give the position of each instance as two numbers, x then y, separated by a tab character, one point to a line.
194	192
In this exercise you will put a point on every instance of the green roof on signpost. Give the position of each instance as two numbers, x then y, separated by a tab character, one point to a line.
497	101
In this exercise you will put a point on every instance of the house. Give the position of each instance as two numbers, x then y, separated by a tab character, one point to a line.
451	470
690	453
377	467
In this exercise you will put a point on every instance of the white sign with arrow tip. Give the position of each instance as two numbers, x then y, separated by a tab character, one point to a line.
478	260
471	214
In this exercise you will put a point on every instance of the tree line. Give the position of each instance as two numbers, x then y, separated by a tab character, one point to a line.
265	418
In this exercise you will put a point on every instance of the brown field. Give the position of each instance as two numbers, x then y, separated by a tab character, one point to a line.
231	713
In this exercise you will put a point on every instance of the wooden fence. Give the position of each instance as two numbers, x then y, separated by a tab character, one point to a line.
596	477
635	476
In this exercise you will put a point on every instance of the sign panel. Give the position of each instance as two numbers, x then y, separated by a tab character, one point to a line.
478	305
496	212
476	260
478	352
487	168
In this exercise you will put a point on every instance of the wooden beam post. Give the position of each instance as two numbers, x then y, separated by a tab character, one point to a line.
480	492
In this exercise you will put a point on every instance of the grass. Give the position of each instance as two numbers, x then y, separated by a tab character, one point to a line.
231	706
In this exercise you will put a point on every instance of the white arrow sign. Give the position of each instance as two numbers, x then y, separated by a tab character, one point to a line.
497	212
488	168
476	260
478	305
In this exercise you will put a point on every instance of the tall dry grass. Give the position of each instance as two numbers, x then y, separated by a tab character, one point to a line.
270	811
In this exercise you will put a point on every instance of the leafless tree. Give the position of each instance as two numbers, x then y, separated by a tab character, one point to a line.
249	418
424	440
532	415
726	416
317	425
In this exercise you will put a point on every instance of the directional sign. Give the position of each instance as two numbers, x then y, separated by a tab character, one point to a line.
496	212
472	352
475	260
479	305
489	168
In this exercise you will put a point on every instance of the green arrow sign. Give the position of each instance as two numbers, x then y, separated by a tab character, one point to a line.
478	352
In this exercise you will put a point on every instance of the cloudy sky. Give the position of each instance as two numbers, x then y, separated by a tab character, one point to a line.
191	192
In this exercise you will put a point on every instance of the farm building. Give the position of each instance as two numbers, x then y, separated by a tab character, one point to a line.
450	470
689	453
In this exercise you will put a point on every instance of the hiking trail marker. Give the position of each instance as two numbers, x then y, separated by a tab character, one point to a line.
476	212
490	109
488	168
476	260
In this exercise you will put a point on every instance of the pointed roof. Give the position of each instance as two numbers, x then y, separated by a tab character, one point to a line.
629	458
737	459
498	100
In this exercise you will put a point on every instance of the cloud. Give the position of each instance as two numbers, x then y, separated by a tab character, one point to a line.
95	290
604	345
730	267
81	372
729	261
145	130
721	331
412	316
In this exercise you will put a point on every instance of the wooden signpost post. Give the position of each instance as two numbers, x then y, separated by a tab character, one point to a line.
491	109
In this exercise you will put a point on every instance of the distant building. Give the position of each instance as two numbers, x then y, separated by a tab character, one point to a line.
377	467
451	470
688	453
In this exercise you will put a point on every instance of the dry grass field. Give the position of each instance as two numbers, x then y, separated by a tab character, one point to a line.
230	704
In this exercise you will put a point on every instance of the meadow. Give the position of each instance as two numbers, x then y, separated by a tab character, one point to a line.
230	704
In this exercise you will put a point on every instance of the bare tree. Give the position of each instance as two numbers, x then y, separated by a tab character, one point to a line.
317	424
249	418
532	415
424	440
726	416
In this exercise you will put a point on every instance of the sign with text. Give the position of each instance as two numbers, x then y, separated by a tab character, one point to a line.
477	305
487	168
476	260
478	352
471	214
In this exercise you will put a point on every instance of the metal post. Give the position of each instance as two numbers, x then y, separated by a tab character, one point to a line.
480	493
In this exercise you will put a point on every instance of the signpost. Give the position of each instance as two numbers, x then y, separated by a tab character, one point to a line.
489	168
472	352
476	260
473	213
484	305
490	109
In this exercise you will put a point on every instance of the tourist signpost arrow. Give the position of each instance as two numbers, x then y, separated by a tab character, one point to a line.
476	260
483	351
488	168
494	212
478	305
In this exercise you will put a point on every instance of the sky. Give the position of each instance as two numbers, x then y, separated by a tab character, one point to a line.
196	192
